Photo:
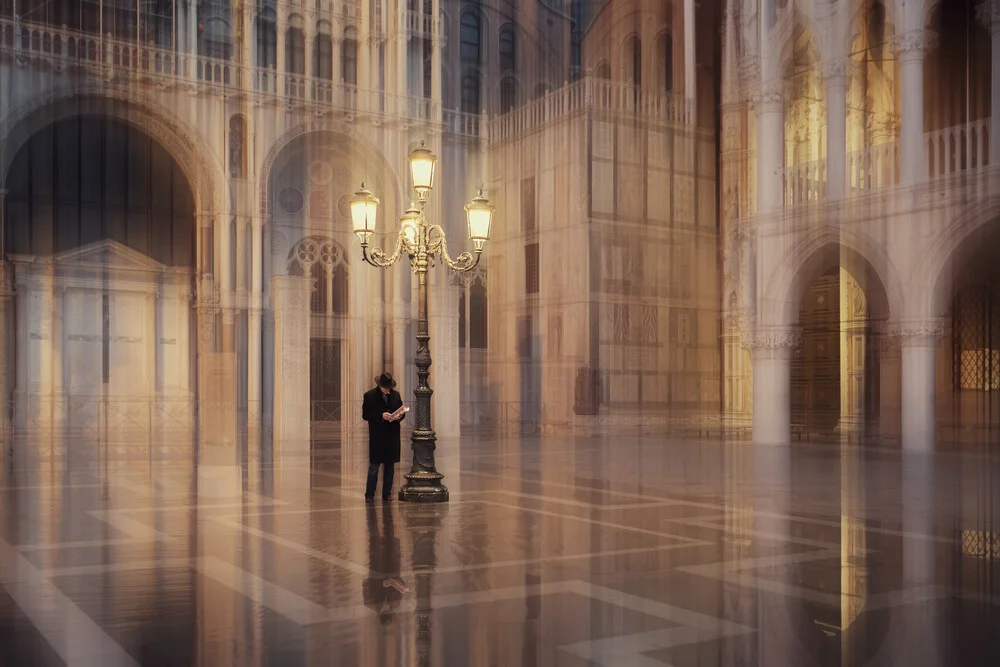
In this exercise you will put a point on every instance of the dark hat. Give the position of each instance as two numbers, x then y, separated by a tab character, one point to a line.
385	380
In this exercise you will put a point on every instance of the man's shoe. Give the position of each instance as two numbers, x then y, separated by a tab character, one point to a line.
369	499
386	499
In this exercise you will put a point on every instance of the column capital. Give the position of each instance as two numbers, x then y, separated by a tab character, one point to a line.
773	342
770	95
917	333
914	45
988	13
836	71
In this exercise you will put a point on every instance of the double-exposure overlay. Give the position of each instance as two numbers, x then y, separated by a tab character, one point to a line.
500	333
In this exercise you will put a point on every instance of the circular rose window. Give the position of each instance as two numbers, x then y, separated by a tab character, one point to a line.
290	200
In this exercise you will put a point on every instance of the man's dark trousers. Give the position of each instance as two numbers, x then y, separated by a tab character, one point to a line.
388	471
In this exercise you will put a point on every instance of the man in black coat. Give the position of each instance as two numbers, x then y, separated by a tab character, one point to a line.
383	433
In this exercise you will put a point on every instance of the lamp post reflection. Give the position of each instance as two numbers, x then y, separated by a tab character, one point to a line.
424	522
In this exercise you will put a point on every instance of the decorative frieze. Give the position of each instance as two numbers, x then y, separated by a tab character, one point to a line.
777	343
917	333
914	45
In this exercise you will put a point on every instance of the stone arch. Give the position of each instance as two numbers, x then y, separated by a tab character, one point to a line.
956	244
353	142
200	166
786	283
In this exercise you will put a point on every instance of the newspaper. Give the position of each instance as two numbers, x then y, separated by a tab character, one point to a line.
397	415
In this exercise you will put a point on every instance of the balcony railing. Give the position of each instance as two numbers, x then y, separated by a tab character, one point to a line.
947	152
591	94
126	61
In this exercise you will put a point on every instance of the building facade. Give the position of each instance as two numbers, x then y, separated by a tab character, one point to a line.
178	261
859	190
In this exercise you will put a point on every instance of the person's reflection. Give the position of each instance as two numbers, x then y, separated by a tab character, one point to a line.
383	589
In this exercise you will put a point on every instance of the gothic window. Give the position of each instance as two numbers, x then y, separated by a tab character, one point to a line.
633	60
323	56
470	38
528	204
325	261
237	146
295	49
349	57
603	70
665	48
976	336
472	312
507	49
267	39
427	68
215	37
531	268
470	93
508	94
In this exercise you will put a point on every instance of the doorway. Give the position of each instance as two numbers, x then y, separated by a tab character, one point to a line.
324	387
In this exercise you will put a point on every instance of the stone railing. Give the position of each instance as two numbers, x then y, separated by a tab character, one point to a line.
948	152
129	62
421	24
590	93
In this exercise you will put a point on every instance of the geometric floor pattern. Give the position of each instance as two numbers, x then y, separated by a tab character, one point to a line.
554	552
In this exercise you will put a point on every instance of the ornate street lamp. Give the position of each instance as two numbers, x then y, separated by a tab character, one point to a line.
422	243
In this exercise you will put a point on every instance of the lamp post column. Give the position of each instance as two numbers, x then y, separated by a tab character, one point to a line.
423	482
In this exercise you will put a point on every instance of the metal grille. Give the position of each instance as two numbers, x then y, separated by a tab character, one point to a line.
976	338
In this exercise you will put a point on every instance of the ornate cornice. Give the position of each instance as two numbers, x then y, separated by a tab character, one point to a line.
770	93
988	13
837	70
917	333
773	343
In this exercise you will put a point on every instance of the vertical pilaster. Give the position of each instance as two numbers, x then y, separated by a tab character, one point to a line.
770	144
436	59
918	343
835	74
254	397
290	296
690	78
771	354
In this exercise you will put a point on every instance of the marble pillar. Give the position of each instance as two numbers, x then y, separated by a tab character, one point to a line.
771	354
254	394
290	298
912	48
836	75
770	144
918	343
444	379
436	39
690	81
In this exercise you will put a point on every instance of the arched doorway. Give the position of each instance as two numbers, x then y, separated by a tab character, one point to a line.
100	231
837	373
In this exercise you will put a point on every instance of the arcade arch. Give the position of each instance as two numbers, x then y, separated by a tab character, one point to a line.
100	230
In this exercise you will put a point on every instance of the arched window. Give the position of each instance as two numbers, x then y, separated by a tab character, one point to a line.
665	47
633	60
508	53
237	147
295	50
427	74
470	93
323	56
603	70
470	38
216	38
325	261
349	56
976	336
508	94
267	39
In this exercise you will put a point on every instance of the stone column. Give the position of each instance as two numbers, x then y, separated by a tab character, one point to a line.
290	298
6	296
770	145
835	73
989	15
436	59
254	397
690	85
918	343
366	38
912	48
771	352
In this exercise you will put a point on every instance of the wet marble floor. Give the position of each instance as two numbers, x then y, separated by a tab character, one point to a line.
553	552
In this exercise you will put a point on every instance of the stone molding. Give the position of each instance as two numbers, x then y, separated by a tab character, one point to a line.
837	71
770	94
779	343
917	333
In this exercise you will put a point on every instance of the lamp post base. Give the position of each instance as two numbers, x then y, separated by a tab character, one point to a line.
423	487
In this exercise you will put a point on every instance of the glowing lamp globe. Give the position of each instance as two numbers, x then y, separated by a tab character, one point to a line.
364	209
480	216
422	164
